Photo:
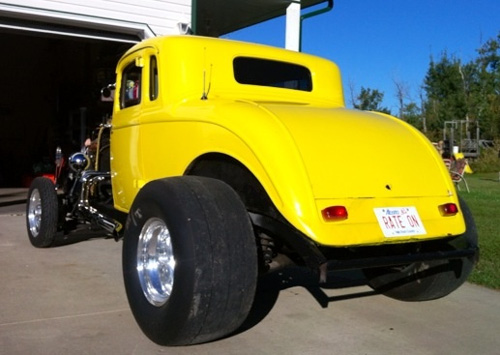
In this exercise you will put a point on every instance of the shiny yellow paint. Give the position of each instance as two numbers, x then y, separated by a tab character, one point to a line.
307	150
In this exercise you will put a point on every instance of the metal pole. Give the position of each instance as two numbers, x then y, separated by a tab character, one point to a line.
312	14
452	138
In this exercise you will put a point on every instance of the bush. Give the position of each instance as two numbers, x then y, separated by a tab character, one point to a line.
488	161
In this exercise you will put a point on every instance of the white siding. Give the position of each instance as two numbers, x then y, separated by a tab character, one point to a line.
161	16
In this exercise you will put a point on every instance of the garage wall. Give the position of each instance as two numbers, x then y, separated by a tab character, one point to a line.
161	16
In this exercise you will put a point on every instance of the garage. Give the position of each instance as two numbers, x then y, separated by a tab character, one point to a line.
56	57
50	97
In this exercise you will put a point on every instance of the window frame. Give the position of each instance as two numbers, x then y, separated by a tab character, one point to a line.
154	89
131	70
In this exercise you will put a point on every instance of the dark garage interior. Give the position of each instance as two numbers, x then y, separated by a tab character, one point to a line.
50	97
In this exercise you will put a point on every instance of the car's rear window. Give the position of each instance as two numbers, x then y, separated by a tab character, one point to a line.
264	72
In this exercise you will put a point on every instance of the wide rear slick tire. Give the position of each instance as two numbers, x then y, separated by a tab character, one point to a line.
189	260
42	212
423	281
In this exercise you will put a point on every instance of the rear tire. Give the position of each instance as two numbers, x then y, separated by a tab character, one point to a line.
189	260
424	281
42	211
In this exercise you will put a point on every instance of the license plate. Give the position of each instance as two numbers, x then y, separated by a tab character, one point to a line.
399	221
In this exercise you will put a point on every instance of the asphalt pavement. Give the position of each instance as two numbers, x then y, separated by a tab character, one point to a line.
70	299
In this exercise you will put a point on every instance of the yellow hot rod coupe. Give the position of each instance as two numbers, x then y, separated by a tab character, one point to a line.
228	161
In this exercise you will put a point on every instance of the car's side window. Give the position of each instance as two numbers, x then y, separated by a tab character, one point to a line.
130	93
153	79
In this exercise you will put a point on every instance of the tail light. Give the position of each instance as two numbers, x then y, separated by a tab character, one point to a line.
448	209
334	213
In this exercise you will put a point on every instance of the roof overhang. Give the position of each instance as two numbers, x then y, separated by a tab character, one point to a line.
219	17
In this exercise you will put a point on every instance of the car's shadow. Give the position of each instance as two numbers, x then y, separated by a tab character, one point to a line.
81	234
273	283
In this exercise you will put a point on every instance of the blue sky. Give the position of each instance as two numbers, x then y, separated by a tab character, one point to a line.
375	42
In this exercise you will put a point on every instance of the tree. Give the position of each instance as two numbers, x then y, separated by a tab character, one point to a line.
421	108
443	85
402	93
465	91
488	87
412	114
370	100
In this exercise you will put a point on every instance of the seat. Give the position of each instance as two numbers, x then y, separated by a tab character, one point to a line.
457	169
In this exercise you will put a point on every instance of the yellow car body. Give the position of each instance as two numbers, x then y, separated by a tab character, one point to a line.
304	147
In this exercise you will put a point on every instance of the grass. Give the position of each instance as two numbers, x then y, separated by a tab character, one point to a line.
484	202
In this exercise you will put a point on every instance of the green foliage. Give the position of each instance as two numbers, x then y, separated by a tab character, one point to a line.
446	99
483	201
488	99
413	115
465	91
488	161
370	100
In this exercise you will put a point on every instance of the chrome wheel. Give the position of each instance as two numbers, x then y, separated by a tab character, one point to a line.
34	213
155	262
42	213
189	260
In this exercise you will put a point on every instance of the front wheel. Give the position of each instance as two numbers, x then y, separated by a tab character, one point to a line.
42	211
189	260
423	281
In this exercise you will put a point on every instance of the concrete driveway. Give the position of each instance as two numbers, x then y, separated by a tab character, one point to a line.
71	300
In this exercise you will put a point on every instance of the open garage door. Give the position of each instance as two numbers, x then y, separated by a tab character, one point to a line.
67	30
46	21
51	74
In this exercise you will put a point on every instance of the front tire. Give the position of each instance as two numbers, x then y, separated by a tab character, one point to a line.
424	281
42	211
189	260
